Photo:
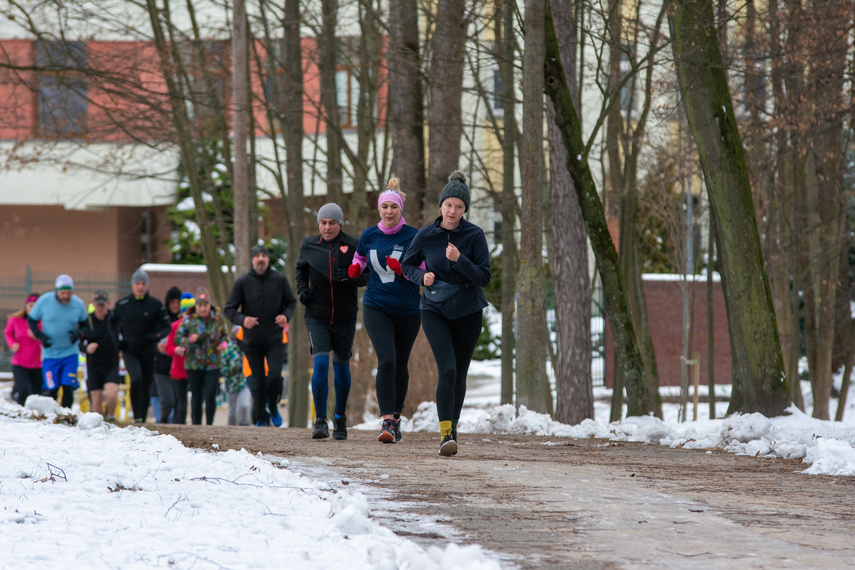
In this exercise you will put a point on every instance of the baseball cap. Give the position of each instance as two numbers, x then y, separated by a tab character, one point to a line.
100	297
64	282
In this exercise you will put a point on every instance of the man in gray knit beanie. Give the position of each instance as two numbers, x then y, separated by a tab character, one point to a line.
456	188
139	276
331	212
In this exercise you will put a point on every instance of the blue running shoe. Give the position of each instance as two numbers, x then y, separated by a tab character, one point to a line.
276	418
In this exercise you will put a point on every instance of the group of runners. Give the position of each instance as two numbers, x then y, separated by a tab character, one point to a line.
429	278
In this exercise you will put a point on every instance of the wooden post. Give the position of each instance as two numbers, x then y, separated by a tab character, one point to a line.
697	362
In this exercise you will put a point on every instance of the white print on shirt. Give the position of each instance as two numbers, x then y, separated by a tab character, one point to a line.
385	274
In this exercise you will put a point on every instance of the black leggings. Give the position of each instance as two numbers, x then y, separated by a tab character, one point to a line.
28	381
266	389
452	342
203	387
140	368
392	337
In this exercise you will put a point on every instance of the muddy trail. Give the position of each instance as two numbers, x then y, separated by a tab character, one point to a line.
552	502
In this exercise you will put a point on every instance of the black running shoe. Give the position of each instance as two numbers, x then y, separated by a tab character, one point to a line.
448	447
454	437
321	429
387	432
339	427
397	426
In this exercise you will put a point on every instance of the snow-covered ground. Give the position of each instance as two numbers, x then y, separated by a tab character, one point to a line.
96	495
100	496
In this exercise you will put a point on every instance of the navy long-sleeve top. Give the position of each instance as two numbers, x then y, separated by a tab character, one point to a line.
472	269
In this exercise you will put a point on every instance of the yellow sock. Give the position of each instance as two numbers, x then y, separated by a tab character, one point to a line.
444	429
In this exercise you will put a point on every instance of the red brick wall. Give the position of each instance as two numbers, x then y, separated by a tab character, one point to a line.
665	313
159	282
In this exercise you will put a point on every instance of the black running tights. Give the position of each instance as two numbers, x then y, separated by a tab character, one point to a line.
453	343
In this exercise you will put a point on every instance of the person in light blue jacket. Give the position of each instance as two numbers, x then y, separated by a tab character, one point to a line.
456	267
61	314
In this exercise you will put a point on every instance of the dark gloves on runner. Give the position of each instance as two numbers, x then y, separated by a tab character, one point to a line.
306	296
340	275
44	339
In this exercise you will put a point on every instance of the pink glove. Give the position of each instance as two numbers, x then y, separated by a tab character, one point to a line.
394	265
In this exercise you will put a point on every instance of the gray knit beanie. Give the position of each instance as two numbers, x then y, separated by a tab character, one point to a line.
139	275
331	212
456	188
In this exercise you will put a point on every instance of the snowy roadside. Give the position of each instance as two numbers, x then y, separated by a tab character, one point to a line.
828	446
97	495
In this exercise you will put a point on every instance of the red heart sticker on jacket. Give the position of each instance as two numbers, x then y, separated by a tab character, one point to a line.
343	249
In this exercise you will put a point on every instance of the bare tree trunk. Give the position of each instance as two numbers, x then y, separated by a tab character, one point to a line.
568	122
827	82
406	106
710	324
366	123
292	131
532	382
573	379
510	258
328	47
446	93
173	70
623	142
241	98
756	350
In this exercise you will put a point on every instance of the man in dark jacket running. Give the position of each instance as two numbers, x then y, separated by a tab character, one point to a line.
329	294
102	358
139	321
262	302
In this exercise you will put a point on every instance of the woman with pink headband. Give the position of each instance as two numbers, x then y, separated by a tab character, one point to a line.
26	353
391	305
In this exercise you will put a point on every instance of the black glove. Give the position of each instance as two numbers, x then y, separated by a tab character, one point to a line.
340	275
74	336
306	296
44	339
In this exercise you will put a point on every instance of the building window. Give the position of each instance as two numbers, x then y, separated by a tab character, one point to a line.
61	88
347	97
627	97
498	102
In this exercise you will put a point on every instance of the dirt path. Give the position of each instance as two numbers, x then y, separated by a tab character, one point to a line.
548	502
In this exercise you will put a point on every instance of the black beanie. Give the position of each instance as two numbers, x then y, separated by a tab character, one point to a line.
456	188
258	248
173	294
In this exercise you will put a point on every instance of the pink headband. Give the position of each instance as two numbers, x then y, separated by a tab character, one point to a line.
32	298
390	195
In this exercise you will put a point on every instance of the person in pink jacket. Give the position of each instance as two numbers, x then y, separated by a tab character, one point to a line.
177	372
26	353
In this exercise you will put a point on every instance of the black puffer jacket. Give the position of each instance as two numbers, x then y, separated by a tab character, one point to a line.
137	324
265	297
322	268
163	362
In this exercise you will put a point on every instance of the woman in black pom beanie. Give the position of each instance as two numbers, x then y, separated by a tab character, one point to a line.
456	266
